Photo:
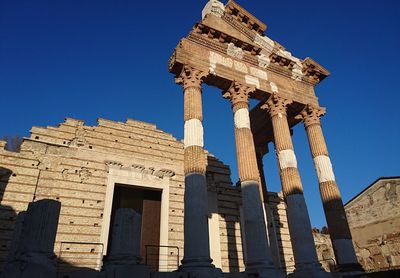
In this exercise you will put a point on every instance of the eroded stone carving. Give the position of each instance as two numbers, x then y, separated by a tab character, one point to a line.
234	51
213	7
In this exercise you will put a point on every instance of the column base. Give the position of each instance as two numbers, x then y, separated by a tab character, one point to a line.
354	267
31	263
309	271
200	268
123	271
261	270
196	263
122	259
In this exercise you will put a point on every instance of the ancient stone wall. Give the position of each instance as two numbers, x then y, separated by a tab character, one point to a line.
70	163
279	231
78	165
374	219
325	251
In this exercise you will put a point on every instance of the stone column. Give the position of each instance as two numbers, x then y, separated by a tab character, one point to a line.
305	255
125	238
34	254
124	257
335	214
196	237
258	252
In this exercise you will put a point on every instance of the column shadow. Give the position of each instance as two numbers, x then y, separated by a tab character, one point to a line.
231	211
8	218
275	217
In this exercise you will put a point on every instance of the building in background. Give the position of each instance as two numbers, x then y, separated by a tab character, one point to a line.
374	219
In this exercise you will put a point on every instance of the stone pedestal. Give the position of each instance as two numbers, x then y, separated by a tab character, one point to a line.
124	257
34	255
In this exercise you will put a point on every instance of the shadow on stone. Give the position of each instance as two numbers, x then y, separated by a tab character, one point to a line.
8	216
32	252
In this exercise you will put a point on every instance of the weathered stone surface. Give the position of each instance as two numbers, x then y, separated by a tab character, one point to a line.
125	239
325	251
374	219
76	175
32	255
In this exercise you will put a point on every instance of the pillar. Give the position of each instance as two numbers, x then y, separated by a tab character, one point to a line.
196	237
335	214
126	236
35	251
124	257
304	252
258	252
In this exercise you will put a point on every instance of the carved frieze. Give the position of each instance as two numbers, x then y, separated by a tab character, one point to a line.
225	38
244	17
314	71
238	26
142	170
234	51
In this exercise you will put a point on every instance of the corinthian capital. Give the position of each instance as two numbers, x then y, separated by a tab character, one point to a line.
276	105
190	77
311	115
238	94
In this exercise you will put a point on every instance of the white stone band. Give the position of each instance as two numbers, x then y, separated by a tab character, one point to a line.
345	251
213	7
193	133
252	80
287	159
242	119
274	88
324	169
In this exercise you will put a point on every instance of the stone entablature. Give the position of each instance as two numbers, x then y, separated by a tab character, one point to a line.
226	50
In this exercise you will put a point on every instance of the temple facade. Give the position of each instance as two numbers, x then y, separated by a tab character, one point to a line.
229	50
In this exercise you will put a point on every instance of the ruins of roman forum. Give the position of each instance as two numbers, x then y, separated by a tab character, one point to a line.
228	50
186	198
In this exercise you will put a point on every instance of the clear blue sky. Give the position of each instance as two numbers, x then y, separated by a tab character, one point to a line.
91	59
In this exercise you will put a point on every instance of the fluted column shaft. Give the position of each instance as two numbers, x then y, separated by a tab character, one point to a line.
196	234
304	251
332	201
258	252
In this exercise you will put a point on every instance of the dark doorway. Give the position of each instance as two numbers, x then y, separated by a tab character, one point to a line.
147	203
